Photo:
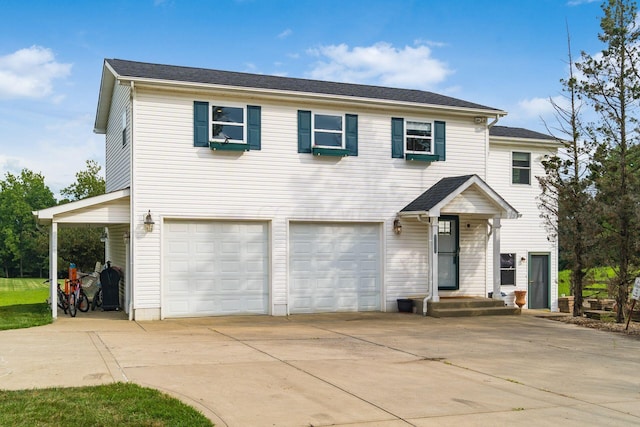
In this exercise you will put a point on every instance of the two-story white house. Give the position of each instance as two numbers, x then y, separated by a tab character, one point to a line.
234	193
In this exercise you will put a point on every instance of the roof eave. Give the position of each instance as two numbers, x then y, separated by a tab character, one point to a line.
279	93
536	141
107	83
45	216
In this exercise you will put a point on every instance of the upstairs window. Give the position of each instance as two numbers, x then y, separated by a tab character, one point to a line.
521	168
418	137
227	127
420	140
508	269
124	128
324	134
227	124
327	131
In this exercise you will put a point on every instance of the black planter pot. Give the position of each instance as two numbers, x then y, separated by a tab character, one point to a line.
405	305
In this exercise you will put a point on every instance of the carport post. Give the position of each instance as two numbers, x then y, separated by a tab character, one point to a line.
497	293
53	269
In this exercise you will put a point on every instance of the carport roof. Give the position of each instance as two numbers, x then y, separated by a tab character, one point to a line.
109	208
437	197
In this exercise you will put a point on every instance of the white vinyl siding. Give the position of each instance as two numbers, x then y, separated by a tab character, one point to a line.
526	234
117	158
174	179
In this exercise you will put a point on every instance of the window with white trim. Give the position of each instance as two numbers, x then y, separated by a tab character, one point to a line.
508	269
227	124
418	137
520	168
328	131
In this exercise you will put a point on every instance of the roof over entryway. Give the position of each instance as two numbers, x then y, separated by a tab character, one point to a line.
460	194
110	208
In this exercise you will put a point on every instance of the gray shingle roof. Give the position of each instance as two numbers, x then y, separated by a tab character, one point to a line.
510	132
228	78
437	193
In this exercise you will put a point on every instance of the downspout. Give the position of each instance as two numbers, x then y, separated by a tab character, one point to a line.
429	295
131	244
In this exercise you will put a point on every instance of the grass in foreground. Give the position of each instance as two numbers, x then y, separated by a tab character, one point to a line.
24	316
118	404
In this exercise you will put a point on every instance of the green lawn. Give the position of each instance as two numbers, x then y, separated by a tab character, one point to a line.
23	291
596	282
117	404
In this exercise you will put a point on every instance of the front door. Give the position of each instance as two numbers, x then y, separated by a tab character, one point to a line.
448	253
538	281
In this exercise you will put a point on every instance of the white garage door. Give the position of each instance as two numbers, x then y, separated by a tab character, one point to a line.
215	268
334	267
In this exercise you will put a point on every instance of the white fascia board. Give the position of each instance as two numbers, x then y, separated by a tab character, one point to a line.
46	215
273	93
504	140
104	98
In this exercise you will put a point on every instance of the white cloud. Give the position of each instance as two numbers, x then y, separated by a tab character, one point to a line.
540	107
579	2
29	73
286	33
381	63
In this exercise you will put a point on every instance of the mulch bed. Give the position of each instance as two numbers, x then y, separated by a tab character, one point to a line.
619	328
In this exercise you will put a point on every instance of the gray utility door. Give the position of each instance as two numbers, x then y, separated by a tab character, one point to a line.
538	281
448	253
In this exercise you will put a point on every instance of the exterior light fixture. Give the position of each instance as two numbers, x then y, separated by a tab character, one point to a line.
148	222
104	237
126	237
397	226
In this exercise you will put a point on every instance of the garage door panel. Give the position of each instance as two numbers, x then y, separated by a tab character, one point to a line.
215	268
328	263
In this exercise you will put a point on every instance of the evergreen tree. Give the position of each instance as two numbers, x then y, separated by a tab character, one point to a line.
611	85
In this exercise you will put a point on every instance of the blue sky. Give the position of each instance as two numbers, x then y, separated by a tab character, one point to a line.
507	54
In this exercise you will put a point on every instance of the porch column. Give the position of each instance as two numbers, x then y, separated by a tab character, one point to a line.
433	258
53	268
497	293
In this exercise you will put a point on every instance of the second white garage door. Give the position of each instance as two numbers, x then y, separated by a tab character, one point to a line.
215	268
334	267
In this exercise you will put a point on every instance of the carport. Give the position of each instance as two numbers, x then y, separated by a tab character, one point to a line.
107	210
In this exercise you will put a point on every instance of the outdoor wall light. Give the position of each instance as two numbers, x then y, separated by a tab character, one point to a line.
125	237
104	237
397	226
148	222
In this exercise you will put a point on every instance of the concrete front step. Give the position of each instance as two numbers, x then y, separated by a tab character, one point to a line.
461	307
478	311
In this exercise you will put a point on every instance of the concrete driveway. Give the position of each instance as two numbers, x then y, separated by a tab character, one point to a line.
360	369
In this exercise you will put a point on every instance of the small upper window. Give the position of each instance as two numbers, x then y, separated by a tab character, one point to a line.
124	128
521	168
419	137
227	124
508	269
328	131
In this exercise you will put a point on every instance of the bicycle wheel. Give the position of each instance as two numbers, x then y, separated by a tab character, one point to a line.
97	300
62	301
73	304
83	302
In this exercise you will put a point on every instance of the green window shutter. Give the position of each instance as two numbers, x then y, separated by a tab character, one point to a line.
304	131
351	134
397	138
439	138
200	124
253	127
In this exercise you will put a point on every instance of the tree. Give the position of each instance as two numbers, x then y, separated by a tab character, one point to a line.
79	245
565	203
19	236
611	84
88	183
